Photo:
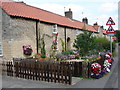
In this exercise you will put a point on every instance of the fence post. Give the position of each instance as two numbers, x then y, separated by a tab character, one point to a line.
69	74
89	69
16	69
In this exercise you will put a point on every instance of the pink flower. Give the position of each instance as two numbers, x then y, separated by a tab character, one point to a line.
54	41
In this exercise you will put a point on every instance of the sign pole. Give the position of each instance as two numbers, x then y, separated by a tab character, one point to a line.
111	44
110	32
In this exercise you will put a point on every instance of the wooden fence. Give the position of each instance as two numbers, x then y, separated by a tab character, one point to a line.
50	72
76	68
61	72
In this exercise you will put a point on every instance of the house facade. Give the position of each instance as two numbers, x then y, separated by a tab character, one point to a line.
22	24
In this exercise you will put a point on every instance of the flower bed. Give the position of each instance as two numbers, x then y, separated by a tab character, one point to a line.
98	70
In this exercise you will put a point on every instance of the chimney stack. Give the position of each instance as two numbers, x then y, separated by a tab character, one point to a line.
85	20
95	24
102	27
68	14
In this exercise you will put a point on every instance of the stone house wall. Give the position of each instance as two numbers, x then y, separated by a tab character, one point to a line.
17	32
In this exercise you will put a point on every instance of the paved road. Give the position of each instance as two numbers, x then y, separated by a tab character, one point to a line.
108	81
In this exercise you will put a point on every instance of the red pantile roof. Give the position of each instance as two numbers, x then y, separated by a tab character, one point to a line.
27	11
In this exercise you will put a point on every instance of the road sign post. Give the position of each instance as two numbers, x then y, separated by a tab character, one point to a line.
111	44
110	32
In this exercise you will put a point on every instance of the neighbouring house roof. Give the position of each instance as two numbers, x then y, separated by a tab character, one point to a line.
104	31
23	10
97	27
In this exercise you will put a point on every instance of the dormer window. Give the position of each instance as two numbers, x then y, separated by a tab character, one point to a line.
54	28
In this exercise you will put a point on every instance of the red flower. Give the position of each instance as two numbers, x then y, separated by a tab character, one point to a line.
56	34
55	47
109	60
38	53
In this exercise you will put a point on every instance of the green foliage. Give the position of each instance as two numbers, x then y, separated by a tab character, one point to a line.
37	56
84	43
89	45
103	44
68	52
118	35
63	45
54	50
114	54
42	47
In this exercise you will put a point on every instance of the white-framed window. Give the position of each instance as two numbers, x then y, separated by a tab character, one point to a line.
77	31
54	28
1	52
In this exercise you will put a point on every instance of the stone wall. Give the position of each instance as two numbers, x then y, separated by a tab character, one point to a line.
47	29
5	35
16	33
71	34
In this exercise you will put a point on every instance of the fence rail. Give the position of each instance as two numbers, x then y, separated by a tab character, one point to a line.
50	72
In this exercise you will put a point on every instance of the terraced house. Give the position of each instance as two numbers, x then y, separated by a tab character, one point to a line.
22	24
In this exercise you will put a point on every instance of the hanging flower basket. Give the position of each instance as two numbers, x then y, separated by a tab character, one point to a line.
27	50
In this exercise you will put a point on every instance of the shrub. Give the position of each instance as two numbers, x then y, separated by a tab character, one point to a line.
84	43
118	35
103	44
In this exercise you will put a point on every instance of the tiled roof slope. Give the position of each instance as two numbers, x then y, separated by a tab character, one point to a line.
27	11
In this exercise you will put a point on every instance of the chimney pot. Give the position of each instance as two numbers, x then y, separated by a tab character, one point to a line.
69	14
95	24
85	20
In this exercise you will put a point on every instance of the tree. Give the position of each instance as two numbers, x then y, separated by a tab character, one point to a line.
85	42
118	35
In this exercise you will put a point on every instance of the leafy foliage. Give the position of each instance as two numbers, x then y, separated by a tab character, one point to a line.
85	42
118	35
89	45
103	44
63	44
42	47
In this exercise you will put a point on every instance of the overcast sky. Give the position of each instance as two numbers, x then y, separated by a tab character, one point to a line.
95	10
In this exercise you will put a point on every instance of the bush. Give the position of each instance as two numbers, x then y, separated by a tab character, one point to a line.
103	44
117	34
68	52
88	45
85	42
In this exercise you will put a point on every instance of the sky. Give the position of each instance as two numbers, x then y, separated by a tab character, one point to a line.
95	10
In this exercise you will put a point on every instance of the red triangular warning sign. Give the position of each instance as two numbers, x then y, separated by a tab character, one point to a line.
110	22
110	30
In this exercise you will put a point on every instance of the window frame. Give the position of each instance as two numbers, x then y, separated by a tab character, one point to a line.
54	28
1	49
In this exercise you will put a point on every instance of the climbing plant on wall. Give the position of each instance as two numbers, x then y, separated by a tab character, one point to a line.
54	45
42	46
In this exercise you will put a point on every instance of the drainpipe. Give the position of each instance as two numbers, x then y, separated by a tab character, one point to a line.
65	37
37	35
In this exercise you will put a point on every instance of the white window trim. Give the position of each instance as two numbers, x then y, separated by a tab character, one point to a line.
1	49
54	28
